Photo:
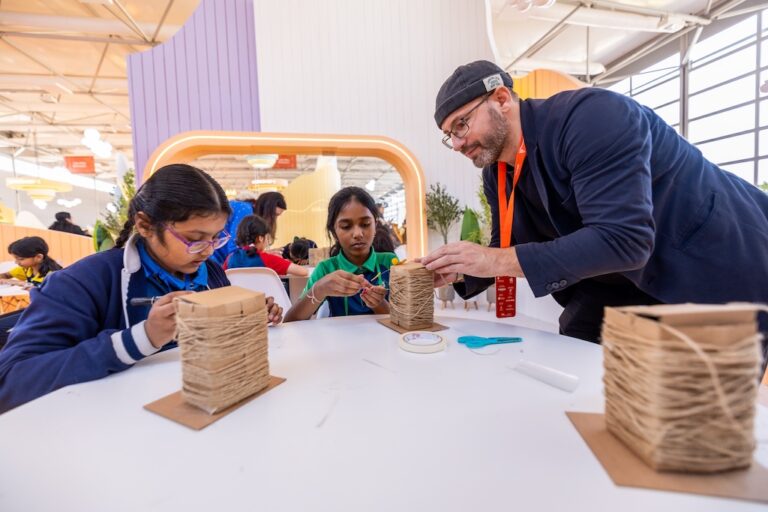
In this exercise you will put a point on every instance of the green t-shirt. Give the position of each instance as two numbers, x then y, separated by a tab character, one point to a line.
374	269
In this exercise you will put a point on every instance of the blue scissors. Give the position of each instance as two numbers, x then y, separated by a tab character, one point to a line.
480	342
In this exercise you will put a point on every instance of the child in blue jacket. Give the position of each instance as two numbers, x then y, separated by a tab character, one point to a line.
80	325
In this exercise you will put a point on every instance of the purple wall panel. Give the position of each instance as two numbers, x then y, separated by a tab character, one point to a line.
204	78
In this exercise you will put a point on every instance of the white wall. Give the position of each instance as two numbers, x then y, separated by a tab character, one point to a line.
374	67
369	67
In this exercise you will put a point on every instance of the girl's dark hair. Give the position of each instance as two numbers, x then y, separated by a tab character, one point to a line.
265	206
31	246
249	229
175	193
339	200
63	222
298	250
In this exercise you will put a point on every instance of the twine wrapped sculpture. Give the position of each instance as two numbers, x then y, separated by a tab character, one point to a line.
222	334
681	384
411	296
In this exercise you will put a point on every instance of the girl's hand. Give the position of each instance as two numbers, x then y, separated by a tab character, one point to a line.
274	312
373	296
340	284
161	322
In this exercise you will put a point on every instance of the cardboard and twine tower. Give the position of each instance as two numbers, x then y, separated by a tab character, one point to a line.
318	254
411	296
222	334
681	384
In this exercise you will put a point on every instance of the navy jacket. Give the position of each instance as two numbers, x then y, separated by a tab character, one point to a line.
80	327
624	193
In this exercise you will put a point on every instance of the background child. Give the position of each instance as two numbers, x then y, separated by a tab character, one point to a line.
298	250
81	326
269	206
355	279
31	255
252	236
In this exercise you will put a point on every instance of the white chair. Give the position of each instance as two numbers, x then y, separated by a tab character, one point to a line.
261	279
324	311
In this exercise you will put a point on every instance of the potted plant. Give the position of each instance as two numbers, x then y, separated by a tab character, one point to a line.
442	212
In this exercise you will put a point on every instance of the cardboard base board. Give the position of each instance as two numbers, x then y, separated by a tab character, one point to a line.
174	408
386	322
627	469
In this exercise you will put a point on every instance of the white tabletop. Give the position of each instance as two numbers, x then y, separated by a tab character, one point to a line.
360	425
7	290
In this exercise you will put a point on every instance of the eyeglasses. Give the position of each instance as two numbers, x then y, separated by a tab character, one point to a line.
199	246
461	127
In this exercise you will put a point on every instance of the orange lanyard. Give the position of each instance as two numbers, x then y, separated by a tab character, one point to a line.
507	209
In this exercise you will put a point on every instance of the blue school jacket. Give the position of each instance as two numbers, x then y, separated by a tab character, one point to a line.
623	193
79	326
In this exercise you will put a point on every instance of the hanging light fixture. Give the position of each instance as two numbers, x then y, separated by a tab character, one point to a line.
38	189
261	161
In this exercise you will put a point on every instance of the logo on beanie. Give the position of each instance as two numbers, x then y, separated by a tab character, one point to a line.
493	82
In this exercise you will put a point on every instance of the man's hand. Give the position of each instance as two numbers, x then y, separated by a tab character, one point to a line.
472	259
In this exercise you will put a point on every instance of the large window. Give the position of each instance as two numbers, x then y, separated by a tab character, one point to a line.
727	112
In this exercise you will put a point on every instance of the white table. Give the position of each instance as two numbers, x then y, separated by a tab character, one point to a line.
360	425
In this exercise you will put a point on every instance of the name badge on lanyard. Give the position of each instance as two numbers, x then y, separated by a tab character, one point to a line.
506	286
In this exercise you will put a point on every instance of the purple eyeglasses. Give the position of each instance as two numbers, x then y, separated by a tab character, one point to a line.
199	246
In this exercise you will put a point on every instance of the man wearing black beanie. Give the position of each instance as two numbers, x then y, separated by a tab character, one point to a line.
602	203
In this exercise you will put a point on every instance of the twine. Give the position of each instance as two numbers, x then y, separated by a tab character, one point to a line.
682	405
411	299
223	360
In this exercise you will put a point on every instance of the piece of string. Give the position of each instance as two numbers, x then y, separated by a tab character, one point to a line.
680	404
223	359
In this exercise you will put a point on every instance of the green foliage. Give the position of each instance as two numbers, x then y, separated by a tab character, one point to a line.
114	221
102	240
470	227
442	210
484	216
764	186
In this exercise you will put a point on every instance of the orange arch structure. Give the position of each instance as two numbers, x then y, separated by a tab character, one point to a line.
188	146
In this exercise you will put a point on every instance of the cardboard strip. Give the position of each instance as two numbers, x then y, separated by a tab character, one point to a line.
386	322
626	469
174	408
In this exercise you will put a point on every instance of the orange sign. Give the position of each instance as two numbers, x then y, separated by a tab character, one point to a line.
285	162
80	164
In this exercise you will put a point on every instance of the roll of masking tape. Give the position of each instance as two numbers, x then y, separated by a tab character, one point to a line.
422	342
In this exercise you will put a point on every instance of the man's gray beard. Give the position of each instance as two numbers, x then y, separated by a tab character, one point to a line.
493	144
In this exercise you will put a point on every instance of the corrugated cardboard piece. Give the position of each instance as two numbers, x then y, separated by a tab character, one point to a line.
174	408
386	322
626	469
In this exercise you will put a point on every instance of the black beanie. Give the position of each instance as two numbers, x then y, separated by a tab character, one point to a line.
467	83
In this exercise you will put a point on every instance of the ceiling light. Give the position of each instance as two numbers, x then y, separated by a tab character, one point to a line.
69	204
40	204
371	185
91	134
261	161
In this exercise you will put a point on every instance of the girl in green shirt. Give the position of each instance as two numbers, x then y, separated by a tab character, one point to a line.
355	279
